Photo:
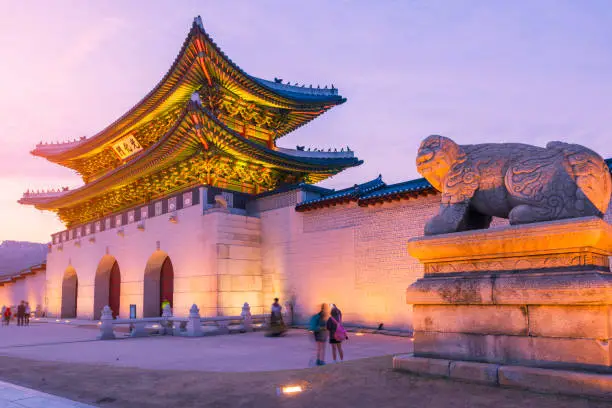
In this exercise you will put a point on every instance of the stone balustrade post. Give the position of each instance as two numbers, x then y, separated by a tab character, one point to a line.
177	327
106	324
247	318
139	330
165	323
223	326
194	326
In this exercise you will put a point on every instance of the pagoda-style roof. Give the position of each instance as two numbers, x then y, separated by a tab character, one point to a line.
196	141
180	143
239	98
206	123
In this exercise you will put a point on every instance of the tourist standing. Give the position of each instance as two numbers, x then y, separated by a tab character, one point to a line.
7	315
277	325
336	311
28	311
20	313
318	325
163	306
2	315
337	334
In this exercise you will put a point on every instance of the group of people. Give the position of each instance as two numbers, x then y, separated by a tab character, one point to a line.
23	314
327	326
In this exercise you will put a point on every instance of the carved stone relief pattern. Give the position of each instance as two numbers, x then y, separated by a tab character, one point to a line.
519	263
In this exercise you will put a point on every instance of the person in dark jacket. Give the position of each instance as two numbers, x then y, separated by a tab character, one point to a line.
332	325
20	313
320	335
277	325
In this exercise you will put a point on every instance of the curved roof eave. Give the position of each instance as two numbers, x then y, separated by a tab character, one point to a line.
153	154
263	153
292	93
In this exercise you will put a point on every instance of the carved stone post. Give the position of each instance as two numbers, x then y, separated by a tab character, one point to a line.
106	326
139	330
247	318
166	324
194	326
223	327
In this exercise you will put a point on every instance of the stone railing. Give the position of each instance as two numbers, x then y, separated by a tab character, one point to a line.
191	326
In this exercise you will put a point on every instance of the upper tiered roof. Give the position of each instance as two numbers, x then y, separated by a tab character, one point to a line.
201	64
206	122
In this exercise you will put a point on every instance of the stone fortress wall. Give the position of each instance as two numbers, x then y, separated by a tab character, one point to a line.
353	256
30	288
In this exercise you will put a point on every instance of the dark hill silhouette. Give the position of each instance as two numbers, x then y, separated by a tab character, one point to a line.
18	255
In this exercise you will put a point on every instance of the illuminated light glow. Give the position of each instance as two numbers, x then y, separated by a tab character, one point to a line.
359	334
291	389
67	321
57	320
155	326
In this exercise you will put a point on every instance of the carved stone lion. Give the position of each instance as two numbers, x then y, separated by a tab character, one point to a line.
520	182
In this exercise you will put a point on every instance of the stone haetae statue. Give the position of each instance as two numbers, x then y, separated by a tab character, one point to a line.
520	182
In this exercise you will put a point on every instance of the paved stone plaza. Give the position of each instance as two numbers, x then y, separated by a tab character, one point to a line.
239	370
14	396
232	353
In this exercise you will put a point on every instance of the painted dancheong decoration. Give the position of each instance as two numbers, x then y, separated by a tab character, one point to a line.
207	122
520	182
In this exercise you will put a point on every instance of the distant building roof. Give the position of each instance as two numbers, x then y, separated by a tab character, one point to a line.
4	279
342	196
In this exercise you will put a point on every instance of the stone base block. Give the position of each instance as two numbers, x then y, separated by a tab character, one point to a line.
557	381
546	352
474	372
481	319
421	365
550	381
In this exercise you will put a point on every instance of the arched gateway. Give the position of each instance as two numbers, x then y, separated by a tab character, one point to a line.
158	283
70	289
107	286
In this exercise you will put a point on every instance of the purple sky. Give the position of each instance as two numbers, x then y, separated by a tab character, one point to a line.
476	71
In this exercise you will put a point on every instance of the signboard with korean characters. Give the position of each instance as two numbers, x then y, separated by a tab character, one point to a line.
126	147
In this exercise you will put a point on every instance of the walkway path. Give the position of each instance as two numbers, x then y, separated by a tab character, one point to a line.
231	353
14	396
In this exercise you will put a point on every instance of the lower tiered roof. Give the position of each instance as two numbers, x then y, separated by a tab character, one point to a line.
198	149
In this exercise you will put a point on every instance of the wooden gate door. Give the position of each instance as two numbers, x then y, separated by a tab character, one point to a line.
166	283
114	289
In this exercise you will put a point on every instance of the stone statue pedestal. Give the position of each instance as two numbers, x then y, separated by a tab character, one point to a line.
527	306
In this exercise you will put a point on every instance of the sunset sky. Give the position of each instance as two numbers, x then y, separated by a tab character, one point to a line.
476	71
